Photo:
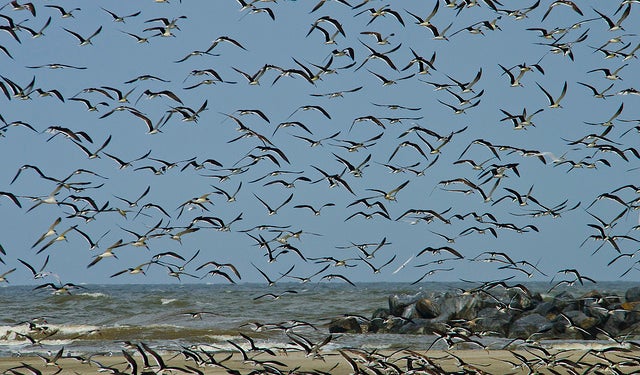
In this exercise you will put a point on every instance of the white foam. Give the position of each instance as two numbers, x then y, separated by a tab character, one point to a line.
587	345
73	328
93	294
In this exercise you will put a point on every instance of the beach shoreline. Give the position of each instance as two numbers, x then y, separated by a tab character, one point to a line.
337	362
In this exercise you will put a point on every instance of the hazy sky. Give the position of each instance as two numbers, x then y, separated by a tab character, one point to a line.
114	58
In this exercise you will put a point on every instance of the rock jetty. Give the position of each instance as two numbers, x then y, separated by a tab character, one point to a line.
511	312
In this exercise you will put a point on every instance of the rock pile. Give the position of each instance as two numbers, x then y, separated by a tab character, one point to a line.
516	313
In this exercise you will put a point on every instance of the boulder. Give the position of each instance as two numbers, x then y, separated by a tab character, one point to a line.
493	320
616	323
528	325
565	301
377	325
456	306
380	313
426	309
410	312
421	326
632	294
580	320
399	302
547	309
394	324
521	301
345	325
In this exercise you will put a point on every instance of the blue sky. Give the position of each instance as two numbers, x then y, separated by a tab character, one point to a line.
114	58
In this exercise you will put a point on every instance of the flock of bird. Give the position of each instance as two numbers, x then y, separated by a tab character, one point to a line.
345	361
279	141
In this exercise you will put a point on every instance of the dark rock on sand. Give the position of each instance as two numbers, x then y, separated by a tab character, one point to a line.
454	306
426	309
345	325
632	294
526	326
399	302
494	320
507	312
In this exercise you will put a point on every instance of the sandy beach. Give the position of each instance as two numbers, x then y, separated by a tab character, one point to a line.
545	361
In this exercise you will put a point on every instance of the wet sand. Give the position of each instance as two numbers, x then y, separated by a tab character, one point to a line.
335	363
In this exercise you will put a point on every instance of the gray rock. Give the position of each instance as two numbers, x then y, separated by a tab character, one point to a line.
345	325
422	327
616	323
376	325
522	302
398	302
380	313
546	309
410	312
454	306
394	324
632	294
527	325
426	309
565	301
492	319
581	320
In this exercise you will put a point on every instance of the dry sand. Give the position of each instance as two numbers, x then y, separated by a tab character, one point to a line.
493	362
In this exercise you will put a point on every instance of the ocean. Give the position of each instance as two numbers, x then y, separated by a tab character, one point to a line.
100	318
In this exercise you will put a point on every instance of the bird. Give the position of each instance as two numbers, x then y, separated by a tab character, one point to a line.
554	103
379	39
468	86
84	41
381	12
338	276
315	211
438	250
272	211
117	18
252	79
139	39
25	6
556	3
608	122
59	289
63	12
40	32
375	269
274	295
93	154
89	105
608	74
50	232
3	276
271	282
432	272
52	361
337	94
439	34
368	215
125	164
427	20
391	194
106	254
12	197
379	56
615	25
134	203
386	81
37	274
598	94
